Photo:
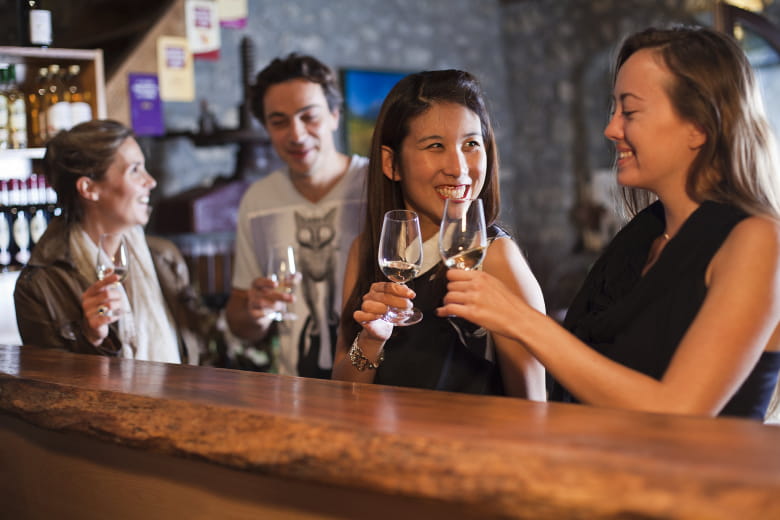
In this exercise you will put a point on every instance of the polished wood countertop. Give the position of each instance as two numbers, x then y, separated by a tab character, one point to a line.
498	457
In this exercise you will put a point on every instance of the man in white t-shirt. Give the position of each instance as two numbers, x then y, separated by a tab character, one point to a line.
314	204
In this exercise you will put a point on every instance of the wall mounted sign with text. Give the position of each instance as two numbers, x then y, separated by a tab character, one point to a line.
175	70
233	14
146	115
202	18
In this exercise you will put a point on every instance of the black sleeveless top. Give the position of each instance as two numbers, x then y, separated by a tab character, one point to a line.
638	321
449	354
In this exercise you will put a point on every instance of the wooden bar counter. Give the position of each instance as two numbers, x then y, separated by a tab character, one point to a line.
92	437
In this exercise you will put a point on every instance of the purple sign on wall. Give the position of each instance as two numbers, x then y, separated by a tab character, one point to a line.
145	107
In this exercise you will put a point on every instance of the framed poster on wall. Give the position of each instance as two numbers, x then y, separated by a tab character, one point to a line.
364	92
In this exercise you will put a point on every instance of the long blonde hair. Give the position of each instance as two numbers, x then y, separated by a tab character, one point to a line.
714	88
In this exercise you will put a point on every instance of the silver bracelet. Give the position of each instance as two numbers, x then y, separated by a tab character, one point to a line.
359	360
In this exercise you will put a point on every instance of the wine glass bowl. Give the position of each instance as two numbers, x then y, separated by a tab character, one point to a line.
112	256
400	258
282	269
463	234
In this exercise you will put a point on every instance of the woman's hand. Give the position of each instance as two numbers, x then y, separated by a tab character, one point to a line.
101	304
482	299
263	298
375	305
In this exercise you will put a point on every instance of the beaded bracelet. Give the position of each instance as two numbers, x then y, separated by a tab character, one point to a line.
359	360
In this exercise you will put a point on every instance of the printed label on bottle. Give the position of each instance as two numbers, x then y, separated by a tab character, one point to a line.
18	124
5	241
18	115
80	112
21	231
57	118
40	27
5	234
3	111
42	130
38	225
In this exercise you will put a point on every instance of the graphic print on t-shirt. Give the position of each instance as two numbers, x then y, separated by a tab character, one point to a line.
317	258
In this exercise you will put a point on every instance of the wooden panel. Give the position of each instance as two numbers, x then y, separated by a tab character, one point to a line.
49	475
142	59
492	456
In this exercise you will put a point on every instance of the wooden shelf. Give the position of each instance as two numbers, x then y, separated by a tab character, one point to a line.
223	137
24	153
90	61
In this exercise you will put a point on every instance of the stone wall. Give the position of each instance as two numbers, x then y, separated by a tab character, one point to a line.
543	63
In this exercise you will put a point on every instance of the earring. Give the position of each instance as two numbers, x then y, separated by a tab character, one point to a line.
94	196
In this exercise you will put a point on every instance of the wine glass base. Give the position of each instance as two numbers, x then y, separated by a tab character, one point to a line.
403	318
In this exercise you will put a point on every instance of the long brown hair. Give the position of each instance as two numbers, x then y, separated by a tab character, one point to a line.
714	88
411	97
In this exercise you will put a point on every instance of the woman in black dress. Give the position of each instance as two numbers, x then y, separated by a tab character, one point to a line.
433	141
681	312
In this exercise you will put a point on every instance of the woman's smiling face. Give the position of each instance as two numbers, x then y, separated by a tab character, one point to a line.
655	146
442	157
123	194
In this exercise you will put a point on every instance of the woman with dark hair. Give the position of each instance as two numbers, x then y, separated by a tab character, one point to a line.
681	312
98	171
433	140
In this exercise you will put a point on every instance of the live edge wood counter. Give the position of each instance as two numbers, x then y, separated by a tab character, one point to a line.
88	437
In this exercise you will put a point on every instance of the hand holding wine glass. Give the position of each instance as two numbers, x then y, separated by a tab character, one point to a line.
463	234
400	258
112	258
283	272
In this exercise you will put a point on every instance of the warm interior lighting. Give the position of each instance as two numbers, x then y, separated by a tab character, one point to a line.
750	5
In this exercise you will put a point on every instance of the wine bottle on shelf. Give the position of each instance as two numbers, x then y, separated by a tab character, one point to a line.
38	218
5	141
40	33
36	121
80	110
20	226
17	111
57	108
5	227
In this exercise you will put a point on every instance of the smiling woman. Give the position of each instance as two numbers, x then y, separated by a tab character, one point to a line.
67	298
681	314
433	141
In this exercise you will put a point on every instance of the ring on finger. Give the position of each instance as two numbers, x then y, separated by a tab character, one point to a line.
103	311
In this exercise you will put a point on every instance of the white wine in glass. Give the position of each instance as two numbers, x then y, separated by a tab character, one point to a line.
282	270
400	258
463	234
112	256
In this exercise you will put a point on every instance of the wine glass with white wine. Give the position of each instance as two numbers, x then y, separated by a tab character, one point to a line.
281	269
463	234
400	258
112	256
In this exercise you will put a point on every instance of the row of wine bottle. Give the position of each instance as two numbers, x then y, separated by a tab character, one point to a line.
26	207
54	102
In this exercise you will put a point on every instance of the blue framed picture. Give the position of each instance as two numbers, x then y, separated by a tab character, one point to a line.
364	92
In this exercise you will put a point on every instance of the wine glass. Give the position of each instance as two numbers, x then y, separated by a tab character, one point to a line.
400	258
463	234
282	270
112	256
